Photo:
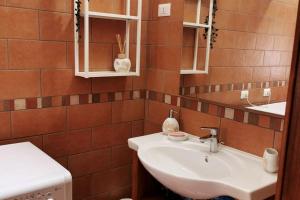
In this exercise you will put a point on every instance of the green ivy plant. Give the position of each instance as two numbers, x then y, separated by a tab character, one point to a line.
77	15
214	31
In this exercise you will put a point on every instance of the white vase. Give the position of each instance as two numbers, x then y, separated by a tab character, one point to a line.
122	64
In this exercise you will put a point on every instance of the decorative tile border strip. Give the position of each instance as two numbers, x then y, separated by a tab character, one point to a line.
202	89
239	115
69	100
235	114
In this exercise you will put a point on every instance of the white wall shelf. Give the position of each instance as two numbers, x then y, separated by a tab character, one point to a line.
197	26
192	71
194	25
87	14
106	74
110	16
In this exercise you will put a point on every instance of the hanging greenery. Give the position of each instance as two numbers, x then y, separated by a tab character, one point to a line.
214	30
77	15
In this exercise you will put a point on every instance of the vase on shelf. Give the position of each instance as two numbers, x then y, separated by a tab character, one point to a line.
122	63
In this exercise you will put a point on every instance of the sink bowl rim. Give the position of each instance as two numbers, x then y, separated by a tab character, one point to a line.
163	171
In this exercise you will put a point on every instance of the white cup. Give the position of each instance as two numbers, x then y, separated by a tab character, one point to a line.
270	160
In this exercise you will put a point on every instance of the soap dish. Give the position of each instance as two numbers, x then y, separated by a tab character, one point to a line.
178	136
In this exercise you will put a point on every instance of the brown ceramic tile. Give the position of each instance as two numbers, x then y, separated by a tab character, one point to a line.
90	162
192	121
189	103
99	187
25	54
53	23
152	95
83	99
111	84
137	128
104	97
246	140
1	106
82	186
111	134
47	102
238	86
159	97
19	23
61	144
204	107
111	28
66	100
158	117
155	80
212	88
201	89
275	123
8	105
65	83
253	119
238	115
22	4
121	156
213	110
57	101
151	127
19	84
143	94
96	98
278	141
3	55
125	173
111	96
264	121
127	95
31	103
63	161
38	121
221	111
174	100
5	131
128	110
89	115
55	5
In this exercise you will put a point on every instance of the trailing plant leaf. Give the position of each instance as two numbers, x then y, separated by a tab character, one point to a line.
77	15
214	30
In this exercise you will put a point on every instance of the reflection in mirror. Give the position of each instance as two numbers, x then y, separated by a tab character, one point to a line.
249	64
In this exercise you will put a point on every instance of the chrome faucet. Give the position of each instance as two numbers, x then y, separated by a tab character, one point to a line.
212	138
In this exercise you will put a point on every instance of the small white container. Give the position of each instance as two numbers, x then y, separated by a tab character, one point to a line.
270	160
122	64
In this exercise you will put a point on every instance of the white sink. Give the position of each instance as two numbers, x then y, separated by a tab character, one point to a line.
189	169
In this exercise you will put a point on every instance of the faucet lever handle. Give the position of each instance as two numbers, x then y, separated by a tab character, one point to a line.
213	130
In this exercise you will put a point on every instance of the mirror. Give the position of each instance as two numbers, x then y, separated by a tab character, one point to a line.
250	54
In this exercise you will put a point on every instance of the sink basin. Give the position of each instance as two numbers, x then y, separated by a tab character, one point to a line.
189	169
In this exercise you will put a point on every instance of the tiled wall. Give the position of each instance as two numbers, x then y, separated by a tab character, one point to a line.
242	129
82	123
164	50
254	44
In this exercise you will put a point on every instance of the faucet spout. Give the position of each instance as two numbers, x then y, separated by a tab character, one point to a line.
212	138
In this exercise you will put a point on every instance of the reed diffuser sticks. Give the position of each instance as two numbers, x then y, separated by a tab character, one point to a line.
121	46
